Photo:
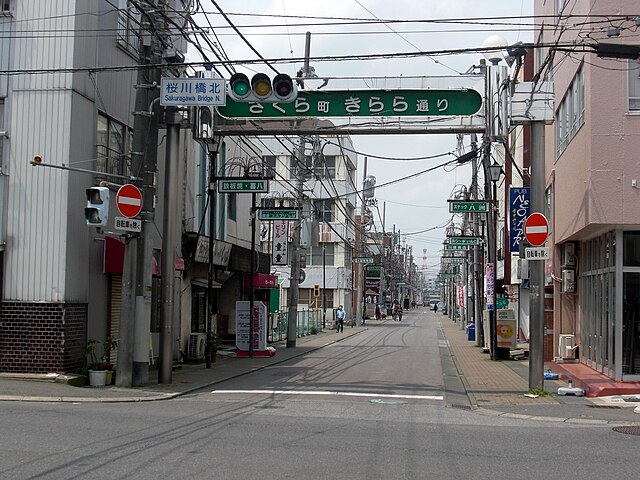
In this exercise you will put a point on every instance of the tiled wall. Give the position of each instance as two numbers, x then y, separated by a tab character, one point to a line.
42	337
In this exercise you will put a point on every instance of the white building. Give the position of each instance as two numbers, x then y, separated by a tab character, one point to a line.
330	183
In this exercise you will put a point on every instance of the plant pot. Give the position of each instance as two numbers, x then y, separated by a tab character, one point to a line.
109	380
97	378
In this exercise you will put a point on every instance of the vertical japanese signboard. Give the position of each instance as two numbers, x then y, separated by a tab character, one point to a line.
519	207
259	318
279	252
490	286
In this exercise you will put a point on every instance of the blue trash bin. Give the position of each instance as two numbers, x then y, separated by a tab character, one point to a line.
471	332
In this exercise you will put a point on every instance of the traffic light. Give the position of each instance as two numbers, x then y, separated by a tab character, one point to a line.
203	123
97	210
262	89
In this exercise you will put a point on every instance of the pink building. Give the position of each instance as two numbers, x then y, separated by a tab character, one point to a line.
592	167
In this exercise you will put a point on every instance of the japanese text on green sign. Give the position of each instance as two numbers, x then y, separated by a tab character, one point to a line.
367	103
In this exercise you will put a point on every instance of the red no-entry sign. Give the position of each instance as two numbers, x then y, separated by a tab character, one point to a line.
129	200
536	229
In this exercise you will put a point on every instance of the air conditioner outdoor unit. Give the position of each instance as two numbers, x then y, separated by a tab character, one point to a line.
196	346
566	342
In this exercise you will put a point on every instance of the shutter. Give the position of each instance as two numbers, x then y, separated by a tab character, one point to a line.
114	312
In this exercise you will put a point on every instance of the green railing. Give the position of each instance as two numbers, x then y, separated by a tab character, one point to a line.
309	323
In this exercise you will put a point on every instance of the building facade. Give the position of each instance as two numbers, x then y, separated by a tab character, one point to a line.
329	185
591	187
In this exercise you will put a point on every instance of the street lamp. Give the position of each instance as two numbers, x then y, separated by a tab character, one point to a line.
493	172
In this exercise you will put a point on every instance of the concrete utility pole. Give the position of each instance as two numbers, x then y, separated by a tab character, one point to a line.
359	312
536	282
135	318
171	227
294	280
211	191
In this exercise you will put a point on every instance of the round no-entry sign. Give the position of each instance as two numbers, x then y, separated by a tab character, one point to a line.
129	200
536	229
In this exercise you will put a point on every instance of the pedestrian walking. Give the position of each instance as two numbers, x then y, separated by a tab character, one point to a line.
340	314
378	312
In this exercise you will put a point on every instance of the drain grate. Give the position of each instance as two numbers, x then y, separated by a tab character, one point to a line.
461	407
629	430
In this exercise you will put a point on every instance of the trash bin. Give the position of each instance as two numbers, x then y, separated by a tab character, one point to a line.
471	332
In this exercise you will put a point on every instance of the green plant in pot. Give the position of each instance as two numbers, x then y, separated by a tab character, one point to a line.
110	345
216	342
97	370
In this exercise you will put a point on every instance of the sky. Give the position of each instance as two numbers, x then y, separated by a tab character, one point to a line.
418	204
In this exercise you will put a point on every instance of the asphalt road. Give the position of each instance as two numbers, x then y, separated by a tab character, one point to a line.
324	424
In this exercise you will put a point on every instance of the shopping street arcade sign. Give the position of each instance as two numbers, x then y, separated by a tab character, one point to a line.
243	186
467	206
362	103
278	214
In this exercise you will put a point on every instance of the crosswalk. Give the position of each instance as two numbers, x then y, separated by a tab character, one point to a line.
327	393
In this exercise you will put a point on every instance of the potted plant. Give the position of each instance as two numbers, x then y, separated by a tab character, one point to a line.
110	344
97	370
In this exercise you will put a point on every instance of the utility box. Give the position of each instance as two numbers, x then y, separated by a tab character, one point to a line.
566	342
568	280
569	254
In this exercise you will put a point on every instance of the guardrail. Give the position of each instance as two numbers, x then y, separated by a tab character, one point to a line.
309	323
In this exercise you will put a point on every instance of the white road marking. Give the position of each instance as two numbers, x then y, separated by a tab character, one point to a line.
328	392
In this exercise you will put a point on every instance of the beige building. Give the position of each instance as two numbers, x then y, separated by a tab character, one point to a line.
592	191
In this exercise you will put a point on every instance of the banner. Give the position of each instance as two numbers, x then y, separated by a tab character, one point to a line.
519	207
279	253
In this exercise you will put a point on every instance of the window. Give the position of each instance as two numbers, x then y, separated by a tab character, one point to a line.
325	210
326	167
232	206
128	27
269	165
5	7
634	86
570	113
113	146
314	254
293	166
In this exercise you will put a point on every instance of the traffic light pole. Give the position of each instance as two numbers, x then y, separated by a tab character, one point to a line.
133	337
294	279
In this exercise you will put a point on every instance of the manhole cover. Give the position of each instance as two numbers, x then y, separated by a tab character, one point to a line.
387	401
630	430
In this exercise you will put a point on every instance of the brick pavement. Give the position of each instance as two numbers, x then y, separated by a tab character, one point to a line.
487	382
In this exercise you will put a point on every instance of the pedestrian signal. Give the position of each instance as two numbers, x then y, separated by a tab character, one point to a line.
97	210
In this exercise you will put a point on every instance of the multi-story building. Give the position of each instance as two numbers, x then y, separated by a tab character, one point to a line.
329	171
70	100
592	172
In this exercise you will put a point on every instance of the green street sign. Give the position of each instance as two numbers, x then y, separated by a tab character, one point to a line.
278	214
455	247
464	240
363	260
374	268
453	259
362	103
465	206
243	186
445	275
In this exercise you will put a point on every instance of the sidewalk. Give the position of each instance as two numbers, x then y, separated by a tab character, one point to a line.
185	378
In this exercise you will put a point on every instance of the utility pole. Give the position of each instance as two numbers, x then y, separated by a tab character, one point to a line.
135	320
252	270
211	298
477	255
294	280
536	282
169	241
359	312
384	214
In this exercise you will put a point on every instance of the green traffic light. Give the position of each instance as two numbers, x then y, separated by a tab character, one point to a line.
240	88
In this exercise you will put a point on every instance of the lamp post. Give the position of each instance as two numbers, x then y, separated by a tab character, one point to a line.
494	171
